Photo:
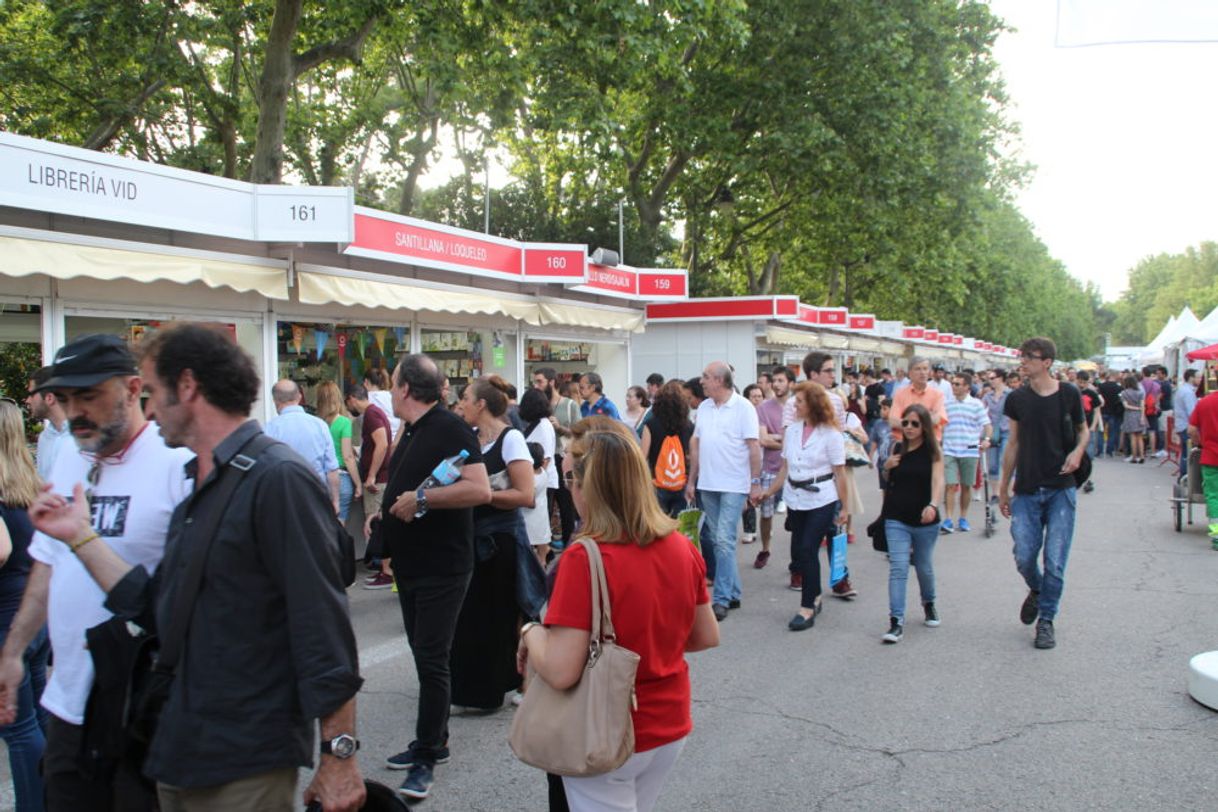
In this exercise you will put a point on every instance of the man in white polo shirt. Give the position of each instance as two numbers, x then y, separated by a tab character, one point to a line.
725	465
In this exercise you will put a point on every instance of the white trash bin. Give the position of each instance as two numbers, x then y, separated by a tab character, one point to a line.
1203	679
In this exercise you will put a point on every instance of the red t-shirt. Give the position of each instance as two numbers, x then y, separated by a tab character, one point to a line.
652	592
1205	418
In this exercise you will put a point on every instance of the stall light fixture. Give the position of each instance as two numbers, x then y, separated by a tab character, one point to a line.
606	256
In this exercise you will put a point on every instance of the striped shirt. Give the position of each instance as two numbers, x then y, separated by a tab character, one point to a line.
965	421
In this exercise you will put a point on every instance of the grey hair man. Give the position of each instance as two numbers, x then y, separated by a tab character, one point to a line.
724	473
307	435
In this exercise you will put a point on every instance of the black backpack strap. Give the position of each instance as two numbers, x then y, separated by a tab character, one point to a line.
173	637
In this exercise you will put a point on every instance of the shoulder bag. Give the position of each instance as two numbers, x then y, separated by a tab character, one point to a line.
1070	437
134	668
586	729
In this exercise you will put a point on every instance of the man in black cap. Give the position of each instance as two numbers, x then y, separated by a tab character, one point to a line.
132	481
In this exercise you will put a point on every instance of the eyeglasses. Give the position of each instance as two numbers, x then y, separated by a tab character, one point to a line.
569	478
911	424
1032	357
10	400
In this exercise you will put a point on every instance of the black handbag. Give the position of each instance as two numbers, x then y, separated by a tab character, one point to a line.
1070	437
134	668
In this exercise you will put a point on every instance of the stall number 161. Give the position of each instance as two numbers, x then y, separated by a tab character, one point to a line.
304	213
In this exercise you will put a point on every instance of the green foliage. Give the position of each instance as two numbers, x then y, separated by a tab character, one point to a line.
18	362
847	151
1160	287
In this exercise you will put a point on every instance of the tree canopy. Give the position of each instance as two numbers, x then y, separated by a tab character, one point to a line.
1159	288
852	152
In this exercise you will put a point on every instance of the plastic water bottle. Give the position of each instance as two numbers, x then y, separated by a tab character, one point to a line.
446	472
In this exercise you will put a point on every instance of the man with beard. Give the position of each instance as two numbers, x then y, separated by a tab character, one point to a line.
132	482
267	648
43	406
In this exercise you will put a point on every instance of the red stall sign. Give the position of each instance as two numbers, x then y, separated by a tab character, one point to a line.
834	316
931	335
913	332
861	321
404	239
656	283
555	262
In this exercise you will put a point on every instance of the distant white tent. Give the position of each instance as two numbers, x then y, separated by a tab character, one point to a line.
1164	344
1203	334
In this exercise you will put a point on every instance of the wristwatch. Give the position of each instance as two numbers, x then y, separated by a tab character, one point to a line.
755	481
420	497
343	745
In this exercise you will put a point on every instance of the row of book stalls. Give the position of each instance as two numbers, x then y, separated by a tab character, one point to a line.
318	289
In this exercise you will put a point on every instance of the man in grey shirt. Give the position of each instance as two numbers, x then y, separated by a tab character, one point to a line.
1185	402
44	406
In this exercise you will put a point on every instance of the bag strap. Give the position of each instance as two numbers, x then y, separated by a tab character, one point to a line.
227	481
602	615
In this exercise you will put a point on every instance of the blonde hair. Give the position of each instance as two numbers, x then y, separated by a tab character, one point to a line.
329	401
19	482
616	485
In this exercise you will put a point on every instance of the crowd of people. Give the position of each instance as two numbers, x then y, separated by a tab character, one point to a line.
129	522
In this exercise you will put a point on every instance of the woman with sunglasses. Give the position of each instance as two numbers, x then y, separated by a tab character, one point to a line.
911	520
661	610
19	486
814	487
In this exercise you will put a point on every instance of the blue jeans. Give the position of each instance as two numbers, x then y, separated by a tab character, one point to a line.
671	502
1112	425
722	515
998	444
906	542
25	737
810	528
346	492
1044	520
1095	446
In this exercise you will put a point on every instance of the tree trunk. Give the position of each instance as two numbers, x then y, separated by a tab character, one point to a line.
834	281
274	85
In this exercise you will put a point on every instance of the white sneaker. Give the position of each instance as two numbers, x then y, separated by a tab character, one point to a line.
1160	454
781	508
748	538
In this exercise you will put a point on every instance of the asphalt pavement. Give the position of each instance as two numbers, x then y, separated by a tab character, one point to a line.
964	716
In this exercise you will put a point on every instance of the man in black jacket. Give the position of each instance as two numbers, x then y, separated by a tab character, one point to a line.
270	647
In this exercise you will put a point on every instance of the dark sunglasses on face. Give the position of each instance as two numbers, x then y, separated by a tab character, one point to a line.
911	424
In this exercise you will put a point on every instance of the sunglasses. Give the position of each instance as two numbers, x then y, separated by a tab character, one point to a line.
911	424
10	400
92	478
569	478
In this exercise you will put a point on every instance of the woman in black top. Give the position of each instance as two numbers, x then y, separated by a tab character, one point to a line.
483	659
669	418
911	520
18	487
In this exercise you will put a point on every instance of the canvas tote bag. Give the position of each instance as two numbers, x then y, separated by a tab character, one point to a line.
586	729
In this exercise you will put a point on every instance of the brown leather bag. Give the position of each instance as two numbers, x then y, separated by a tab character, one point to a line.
586	729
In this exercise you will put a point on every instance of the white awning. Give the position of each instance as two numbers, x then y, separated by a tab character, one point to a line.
790	338
323	288
578	315
21	256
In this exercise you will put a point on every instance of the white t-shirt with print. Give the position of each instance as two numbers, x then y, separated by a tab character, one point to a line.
132	503
723	451
824	449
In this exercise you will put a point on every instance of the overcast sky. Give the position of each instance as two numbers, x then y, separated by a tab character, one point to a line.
1123	136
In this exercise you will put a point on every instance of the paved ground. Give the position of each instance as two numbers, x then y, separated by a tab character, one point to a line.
965	716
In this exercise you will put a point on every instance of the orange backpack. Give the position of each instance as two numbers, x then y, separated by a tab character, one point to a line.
670	465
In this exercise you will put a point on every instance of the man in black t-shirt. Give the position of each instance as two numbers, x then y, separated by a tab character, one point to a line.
1166	405
1093	403
1112	410
1047	440
433	554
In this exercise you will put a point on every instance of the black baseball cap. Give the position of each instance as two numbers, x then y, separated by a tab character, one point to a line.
939	368
88	361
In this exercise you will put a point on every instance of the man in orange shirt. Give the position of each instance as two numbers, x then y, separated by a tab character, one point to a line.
918	391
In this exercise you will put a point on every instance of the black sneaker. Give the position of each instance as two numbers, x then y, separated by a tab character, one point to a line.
405	759
932	614
720	611
733	604
417	785
895	631
1030	608
1044	634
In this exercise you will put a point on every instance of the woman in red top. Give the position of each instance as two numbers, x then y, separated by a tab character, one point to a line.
657	591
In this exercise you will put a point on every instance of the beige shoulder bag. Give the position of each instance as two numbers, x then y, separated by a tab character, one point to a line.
586	729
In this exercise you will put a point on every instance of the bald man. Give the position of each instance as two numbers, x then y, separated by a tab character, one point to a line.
305	434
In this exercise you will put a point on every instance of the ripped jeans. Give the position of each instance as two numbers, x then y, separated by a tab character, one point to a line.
1044	520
